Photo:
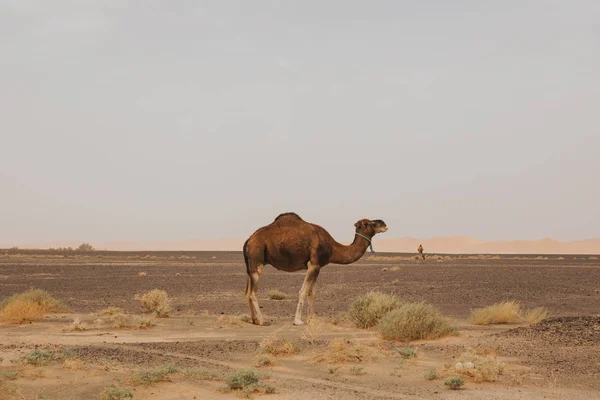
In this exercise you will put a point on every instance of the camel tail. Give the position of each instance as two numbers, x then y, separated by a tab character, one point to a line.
247	267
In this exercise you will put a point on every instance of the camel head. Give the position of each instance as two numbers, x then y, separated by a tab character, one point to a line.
369	227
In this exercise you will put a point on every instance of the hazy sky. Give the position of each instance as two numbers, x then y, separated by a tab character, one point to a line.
187	119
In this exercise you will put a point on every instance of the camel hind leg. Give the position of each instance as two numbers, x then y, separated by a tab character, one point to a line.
307	290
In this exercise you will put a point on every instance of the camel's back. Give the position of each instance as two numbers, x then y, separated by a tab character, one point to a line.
286	241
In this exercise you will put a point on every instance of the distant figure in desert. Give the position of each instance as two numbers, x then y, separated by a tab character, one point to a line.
291	244
420	250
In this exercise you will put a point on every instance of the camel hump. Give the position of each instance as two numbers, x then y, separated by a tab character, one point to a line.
289	216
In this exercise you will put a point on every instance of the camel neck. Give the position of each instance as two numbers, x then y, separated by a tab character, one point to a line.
343	254
368	239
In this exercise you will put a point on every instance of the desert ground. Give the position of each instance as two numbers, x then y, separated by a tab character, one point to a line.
81	353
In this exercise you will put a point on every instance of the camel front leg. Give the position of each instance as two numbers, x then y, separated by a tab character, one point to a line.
311	275
251	289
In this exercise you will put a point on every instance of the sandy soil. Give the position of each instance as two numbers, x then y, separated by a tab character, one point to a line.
557	358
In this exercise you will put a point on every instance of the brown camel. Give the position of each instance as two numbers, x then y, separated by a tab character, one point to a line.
420	250
291	244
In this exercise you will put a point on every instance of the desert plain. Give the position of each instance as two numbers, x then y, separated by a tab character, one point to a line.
87	351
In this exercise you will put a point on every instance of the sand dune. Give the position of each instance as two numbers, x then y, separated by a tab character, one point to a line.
467	245
452	245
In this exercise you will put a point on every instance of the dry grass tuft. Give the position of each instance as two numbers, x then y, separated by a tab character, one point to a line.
312	329
145	322
369	308
121	321
276	294
274	347
264	360
77	325
235	321
414	321
342	351
431	375
156	301
115	393
477	367
507	312
73	365
536	315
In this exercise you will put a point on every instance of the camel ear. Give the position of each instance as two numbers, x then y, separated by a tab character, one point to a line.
361	224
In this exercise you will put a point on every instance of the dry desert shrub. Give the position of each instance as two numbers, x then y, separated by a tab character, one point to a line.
20	311
276	294
342	351
274	347
366	311
507	312
414	321
156	301
31	305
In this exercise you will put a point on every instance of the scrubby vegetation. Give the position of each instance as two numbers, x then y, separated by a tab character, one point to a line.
115	393
366	311
156	301
149	377
342	351
414	321
247	381
276	294
274	347
454	383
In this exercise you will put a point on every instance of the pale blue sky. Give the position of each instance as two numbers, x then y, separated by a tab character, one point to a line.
127	120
